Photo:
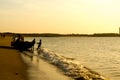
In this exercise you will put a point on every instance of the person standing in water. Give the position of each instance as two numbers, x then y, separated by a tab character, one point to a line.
39	44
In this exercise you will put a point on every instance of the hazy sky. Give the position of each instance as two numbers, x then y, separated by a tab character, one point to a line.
60	16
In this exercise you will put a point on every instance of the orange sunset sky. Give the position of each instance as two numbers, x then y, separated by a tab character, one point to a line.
60	16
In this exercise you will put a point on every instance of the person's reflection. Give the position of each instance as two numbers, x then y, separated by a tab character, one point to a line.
31	57
34	59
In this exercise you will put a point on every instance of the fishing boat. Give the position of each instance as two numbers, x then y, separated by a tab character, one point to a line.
19	43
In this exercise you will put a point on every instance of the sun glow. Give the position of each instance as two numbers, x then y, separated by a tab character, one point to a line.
60	16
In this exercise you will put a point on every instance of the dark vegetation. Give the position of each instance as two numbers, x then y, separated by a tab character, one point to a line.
62	35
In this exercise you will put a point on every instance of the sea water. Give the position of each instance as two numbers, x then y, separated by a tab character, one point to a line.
101	54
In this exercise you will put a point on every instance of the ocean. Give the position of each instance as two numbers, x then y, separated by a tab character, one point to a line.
101	54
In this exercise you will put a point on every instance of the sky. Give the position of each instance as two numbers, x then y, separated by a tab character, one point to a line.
60	16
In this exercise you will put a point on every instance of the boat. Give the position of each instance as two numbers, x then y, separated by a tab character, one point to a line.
19	43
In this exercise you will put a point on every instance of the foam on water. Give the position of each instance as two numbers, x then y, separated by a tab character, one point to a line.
69	66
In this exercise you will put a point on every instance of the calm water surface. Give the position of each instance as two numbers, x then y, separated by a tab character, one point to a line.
101	54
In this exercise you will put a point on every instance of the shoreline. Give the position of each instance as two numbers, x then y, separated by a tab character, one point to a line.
41	69
14	67
70	67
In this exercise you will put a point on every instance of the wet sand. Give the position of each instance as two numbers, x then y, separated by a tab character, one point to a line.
40	69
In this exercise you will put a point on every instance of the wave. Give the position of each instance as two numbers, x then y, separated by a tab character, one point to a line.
69	66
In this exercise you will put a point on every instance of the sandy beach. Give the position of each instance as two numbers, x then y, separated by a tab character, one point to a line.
16	65
12	66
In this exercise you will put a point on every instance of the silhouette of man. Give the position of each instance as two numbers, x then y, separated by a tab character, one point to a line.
39	44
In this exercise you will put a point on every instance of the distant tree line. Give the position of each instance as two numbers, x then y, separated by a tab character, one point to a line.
62	35
106	35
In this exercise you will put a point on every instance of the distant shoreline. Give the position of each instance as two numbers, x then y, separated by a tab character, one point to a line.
62	35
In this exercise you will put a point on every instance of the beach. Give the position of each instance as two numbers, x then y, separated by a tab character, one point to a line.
13	67
40	65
